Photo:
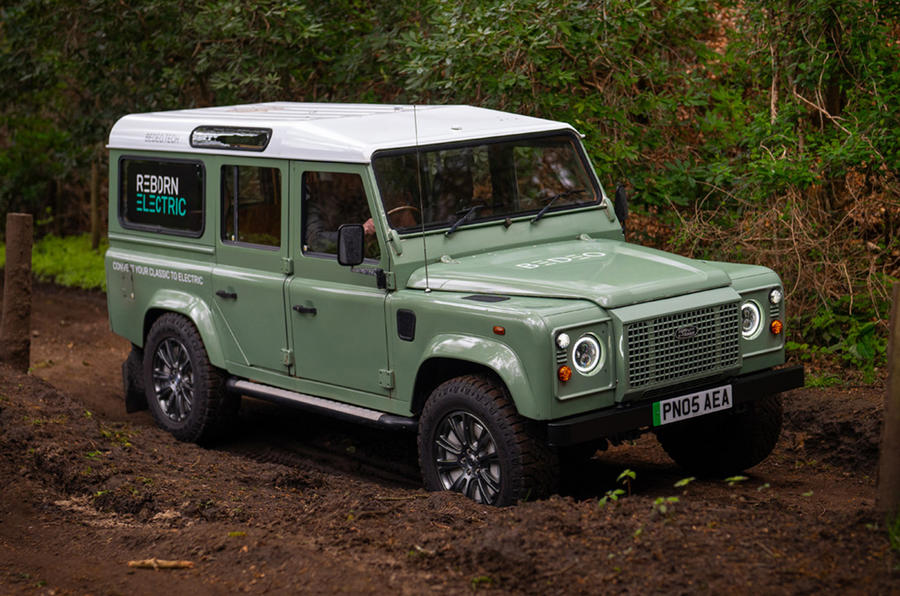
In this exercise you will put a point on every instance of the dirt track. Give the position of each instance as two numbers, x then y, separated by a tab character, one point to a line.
297	503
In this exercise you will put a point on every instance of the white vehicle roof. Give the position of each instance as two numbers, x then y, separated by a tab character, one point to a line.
323	131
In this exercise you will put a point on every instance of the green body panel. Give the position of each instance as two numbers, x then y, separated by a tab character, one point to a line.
609	272
451	325
197	311
139	286
485	238
502	360
571	272
754	283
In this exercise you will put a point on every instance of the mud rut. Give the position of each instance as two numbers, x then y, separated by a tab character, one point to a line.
300	440
328	505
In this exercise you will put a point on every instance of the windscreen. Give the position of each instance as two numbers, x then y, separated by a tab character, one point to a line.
483	180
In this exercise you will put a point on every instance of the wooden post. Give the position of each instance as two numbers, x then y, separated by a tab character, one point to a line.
95	204
889	460
15	328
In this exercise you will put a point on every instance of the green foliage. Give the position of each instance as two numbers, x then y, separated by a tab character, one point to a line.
662	504
684	482
67	261
849	331
481	581
625	479
893	530
610	495
852	337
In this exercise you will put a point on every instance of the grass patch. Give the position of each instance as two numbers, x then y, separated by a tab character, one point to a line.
67	261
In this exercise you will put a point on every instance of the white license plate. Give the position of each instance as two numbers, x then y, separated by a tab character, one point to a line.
692	405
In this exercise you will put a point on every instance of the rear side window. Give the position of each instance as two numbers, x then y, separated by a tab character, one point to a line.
161	196
251	205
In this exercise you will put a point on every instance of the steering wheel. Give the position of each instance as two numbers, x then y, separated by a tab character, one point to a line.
403	208
412	217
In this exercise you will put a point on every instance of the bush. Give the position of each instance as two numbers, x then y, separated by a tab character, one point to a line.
67	261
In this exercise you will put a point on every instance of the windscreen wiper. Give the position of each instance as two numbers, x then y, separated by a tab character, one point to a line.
469	213
552	200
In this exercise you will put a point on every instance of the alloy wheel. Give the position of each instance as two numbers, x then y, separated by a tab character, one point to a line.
466	457
173	379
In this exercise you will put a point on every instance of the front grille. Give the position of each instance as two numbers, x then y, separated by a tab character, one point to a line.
659	350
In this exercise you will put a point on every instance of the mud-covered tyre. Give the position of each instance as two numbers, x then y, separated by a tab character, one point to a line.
471	440
726	443
185	393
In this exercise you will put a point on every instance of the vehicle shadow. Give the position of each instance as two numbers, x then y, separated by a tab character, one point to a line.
304	440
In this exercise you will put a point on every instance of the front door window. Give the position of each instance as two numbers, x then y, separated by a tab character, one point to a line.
331	199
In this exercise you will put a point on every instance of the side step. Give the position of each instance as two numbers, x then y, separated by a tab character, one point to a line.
321	405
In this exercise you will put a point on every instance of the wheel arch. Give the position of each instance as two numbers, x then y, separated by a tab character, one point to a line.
192	308
452	356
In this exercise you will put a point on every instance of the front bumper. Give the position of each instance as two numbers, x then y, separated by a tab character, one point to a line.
630	417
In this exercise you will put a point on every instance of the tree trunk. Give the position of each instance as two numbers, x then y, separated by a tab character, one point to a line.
15	329
889	460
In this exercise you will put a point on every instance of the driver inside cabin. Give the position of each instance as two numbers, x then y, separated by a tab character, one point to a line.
330	200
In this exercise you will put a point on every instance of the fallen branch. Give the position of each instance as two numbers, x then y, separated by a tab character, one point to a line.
160	564
409	498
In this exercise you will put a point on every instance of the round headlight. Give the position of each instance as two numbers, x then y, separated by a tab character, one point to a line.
775	297
586	354
562	341
751	320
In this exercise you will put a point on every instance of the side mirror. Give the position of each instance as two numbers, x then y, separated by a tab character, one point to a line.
620	206
351	242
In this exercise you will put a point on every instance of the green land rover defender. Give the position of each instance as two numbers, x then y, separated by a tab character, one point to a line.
454	271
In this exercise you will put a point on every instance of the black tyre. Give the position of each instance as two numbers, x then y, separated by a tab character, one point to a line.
727	443
472	441
185	393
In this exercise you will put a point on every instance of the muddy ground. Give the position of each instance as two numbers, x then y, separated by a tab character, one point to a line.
298	503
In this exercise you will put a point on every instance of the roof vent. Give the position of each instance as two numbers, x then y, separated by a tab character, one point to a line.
230	137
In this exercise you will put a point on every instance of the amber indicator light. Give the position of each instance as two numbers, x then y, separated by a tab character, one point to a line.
564	373
498	330
776	327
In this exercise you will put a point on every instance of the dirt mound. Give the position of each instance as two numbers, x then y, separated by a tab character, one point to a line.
841	427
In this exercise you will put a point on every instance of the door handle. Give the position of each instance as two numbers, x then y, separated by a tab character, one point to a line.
305	310
226	295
